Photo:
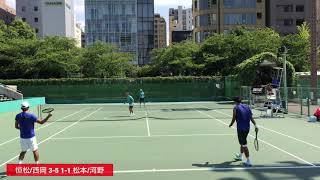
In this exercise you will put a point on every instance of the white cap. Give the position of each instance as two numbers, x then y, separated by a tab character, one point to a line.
25	105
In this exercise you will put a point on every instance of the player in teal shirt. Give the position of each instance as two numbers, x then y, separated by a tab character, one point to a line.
130	101
141	98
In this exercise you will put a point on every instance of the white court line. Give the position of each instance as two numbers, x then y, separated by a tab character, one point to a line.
282	134
49	124
71	125
284	151
152	136
147	121
216	169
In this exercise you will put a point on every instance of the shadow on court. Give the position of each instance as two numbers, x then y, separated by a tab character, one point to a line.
293	169
133	119
102	120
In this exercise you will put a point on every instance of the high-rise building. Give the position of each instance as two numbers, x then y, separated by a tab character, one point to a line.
160	32
48	17
179	20
78	35
128	24
83	39
219	16
285	15
7	14
178	36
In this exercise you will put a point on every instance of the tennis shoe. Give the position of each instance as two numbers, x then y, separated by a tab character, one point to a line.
247	164
238	157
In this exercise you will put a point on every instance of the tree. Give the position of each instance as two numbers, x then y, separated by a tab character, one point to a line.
299	48
103	60
178	59
250	71
222	52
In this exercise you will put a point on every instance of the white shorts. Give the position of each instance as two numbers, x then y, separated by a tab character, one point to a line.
28	144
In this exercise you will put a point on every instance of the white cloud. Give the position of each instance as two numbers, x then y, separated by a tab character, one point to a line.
11	3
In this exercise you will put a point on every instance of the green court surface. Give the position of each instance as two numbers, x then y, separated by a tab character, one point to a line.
180	141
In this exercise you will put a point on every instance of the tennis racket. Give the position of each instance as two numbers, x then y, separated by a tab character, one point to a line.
47	110
256	142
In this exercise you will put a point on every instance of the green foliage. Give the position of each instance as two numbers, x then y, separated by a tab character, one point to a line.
221	53
247	70
22	55
84	81
177	60
299	48
102	60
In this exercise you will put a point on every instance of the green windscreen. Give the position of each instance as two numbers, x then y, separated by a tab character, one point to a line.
100	91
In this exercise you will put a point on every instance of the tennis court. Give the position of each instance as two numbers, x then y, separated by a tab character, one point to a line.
180	141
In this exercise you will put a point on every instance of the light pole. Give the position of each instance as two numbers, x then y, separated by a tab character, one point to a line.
283	52
314	64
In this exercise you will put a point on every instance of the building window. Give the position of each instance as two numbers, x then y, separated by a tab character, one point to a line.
300	8
37	30
288	22
211	3
259	1
288	8
196	4
240	3
259	15
238	19
24	19
36	19
36	8
23	8
299	22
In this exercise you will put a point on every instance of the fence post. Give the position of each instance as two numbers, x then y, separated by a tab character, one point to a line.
308	104
301	106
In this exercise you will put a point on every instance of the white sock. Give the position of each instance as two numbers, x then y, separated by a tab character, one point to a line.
20	162
37	162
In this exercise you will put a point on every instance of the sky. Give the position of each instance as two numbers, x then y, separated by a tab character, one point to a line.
161	6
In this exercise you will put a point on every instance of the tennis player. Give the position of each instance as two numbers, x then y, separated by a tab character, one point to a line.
242	114
25	123
141	98
130	101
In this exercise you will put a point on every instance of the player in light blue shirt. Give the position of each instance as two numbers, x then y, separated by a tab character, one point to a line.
141	98
130	101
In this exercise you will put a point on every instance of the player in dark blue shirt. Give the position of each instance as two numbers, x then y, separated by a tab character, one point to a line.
242	114
25	123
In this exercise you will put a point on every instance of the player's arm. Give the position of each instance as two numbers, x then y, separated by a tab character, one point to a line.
16	125
254	123
233	117
42	121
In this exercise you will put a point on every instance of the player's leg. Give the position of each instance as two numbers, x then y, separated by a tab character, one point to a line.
140	101
34	149
239	157
245	148
21	156
36	156
132	110
24	148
